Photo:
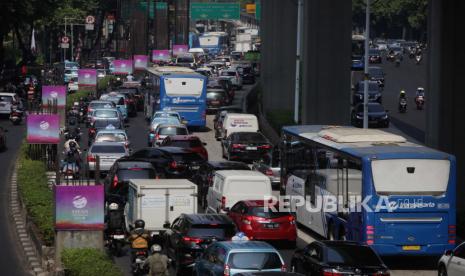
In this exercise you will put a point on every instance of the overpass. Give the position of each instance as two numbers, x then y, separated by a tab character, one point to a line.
325	68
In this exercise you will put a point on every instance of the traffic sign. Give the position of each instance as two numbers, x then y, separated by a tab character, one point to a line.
215	11
65	39
250	8
65	45
89	27
90	19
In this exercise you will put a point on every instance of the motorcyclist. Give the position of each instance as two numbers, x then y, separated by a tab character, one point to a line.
157	262
129	77
72	129
139	238
420	92
402	96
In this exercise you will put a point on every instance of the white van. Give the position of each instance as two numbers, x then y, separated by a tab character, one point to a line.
237	122
6	100
231	186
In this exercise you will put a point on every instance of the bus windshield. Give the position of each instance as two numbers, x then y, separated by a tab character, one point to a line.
184	86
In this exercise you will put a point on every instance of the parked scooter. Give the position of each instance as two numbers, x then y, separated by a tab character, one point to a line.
115	231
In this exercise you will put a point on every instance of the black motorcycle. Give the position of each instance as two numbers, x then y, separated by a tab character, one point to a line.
73	133
403	105
139	267
115	232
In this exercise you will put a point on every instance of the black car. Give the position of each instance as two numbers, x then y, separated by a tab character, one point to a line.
374	92
337	258
217	98
374	56
190	234
204	176
377	74
116	182
172	162
377	116
101	124
248	76
248	146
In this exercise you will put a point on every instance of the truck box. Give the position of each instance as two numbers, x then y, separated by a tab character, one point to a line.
159	201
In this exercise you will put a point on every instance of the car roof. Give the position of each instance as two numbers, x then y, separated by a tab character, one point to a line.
100	101
254	203
208	218
269	273
103	131
126	164
107	144
246	245
170	125
241	173
219	165
216	90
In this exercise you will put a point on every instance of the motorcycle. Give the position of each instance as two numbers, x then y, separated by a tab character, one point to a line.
139	267
73	134
420	101
115	232
70	170
16	116
403	105
418	59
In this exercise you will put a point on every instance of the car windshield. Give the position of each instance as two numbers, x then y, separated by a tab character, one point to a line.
118	100
185	143
136	173
225	231
372	108
116	148
173	131
249	137
111	137
107	123
185	59
254	260
228	73
267	212
187	157
374	52
106	113
350	255
166	115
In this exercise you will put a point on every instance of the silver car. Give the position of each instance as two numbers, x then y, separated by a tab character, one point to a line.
98	105
452	263
107	152
165	130
113	135
270	167
105	114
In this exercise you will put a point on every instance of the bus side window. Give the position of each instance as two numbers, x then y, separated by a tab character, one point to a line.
310	183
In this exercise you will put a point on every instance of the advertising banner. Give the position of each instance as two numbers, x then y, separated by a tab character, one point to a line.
54	92
79	207
122	66
43	129
87	77
141	62
161	55
180	49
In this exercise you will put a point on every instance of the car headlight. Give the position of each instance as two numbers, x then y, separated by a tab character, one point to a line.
113	206
385	116
359	116
360	96
378	95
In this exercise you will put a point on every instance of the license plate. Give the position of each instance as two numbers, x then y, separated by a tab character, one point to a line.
195	167
411	247
118	237
271	225
251	148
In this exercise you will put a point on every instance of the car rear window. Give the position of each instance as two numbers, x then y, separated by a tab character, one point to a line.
117	148
105	123
215	95
228	73
7	99
254	260
101	105
267	212
106	113
187	157
111	137
173	131
136	173
185	143
221	231
351	255
252	137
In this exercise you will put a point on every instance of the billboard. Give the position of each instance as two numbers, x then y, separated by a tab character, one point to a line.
141	62
87	77
161	55
79	207
54	92
43	129
122	66
180	49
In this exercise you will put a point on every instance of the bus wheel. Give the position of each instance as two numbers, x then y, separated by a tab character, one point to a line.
331	236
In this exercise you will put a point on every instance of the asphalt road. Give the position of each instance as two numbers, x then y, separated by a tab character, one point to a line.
11	262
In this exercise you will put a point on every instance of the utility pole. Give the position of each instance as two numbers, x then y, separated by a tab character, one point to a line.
366	76
300	19
66	33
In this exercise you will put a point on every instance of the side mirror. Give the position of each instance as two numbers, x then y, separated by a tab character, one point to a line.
448	253
204	144
166	225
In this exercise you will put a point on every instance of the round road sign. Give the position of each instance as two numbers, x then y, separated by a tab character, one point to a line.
65	39
90	19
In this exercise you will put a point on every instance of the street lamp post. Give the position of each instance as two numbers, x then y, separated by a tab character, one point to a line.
366	77
300	18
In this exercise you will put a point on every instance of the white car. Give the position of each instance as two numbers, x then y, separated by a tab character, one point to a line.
232	75
108	153
6	99
452	263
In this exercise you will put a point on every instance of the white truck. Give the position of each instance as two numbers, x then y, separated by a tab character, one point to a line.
243	43
159	201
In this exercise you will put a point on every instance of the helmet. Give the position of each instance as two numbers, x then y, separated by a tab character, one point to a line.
72	144
113	206
420	89
155	248
139	223
402	92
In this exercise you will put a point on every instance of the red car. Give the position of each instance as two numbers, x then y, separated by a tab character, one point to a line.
259	223
191	142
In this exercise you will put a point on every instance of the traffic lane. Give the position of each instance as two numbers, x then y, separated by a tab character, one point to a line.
10	263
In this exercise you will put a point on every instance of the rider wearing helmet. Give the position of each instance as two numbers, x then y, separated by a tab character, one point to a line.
157	262
420	92
402	95
139	238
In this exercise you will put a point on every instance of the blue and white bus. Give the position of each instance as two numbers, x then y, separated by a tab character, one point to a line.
177	89
214	42
393	195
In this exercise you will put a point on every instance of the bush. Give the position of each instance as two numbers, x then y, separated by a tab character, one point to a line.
71	98
88	262
103	83
280	118
36	195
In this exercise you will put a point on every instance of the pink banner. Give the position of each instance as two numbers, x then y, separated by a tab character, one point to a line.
141	62
122	66
43	129
50	93
161	55
87	77
180	49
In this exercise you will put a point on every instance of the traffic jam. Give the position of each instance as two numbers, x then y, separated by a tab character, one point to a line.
187	172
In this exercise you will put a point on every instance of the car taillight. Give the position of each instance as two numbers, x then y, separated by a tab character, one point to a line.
265	147
115	181
269	172
223	202
92	130
157	137
247	220
331	272
226	270
283	268
210	180
91	158
238	146
126	144
291	219
173	165
191	240
452	234
382	273
370	231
